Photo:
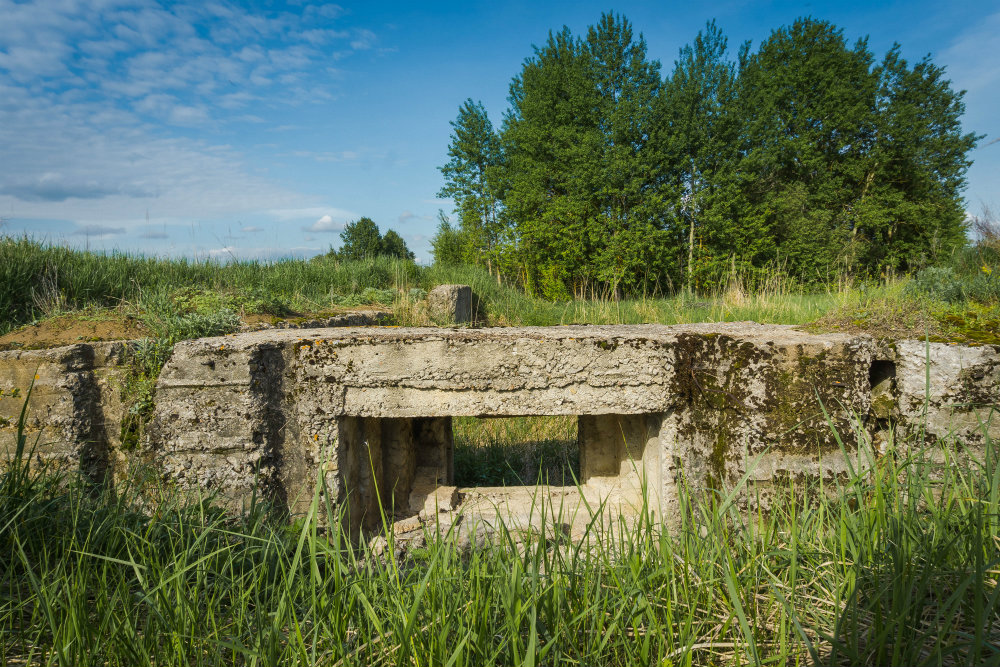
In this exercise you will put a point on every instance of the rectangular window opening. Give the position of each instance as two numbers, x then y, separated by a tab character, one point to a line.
516	451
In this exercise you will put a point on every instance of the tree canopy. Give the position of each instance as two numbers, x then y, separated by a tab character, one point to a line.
362	239
607	176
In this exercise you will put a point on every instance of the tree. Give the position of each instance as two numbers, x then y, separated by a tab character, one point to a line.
447	243
809	120
472	179
363	240
908	208
697	138
630	223
578	165
393	245
850	165
806	153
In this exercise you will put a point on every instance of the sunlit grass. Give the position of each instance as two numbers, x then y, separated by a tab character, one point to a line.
516	451
896	565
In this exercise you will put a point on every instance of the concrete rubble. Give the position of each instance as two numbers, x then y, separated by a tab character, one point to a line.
450	304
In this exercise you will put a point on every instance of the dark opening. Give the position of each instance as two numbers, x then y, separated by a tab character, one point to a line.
880	371
516	451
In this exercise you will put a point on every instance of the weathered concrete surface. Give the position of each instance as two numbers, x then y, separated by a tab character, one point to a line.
366	412
957	387
660	406
75	411
450	304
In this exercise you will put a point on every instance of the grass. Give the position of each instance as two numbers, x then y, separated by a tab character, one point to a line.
168	296
516	451
895	565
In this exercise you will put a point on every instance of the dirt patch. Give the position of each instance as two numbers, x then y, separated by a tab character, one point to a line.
71	329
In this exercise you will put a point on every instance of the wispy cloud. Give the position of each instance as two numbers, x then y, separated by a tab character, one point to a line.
99	231
409	216
109	107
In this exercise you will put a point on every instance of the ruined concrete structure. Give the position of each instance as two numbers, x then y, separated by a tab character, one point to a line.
367	411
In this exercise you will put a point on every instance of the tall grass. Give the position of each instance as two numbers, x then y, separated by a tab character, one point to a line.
38	280
894	565
516	451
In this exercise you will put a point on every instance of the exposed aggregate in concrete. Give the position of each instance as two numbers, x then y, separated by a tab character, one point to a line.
366	411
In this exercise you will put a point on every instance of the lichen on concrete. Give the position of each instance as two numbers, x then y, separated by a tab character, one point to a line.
362	416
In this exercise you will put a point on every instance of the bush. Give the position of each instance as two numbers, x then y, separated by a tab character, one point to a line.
940	283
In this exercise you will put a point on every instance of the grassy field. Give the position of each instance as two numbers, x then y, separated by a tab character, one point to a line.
896	566
176	299
516	451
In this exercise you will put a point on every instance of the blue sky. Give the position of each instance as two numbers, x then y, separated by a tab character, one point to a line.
258	129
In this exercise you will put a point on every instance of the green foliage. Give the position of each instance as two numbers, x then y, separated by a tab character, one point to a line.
807	154
938	283
448	243
945	284
516	451
362	240
473	179
393	245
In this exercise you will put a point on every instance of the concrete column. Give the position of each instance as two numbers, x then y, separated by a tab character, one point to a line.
399	463
621	454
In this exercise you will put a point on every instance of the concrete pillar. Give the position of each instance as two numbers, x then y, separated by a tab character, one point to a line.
399	463
621	454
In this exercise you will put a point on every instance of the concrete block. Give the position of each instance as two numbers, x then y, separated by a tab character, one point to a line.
450	304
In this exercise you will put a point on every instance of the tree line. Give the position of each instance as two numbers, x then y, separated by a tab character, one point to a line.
807	154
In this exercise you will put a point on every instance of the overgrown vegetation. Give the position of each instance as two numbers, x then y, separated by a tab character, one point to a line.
894	565
516	451
608	177
183	298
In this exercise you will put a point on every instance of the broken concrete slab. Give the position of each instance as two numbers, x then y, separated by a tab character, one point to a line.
75	412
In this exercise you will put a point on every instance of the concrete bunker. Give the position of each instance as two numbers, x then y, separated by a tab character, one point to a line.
367	412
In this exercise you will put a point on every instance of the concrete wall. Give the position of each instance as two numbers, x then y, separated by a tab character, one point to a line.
367	411
74	415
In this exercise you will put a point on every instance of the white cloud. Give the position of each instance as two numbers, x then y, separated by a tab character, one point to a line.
303	214
85	122
251	229
325	224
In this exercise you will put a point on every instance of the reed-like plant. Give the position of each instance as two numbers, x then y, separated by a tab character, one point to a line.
896	564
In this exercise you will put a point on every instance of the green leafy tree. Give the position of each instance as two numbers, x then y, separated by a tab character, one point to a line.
698	139
587	213
393	245
628	232
447	243
805	153
908	209
362	240
808	103
473	179
552	145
